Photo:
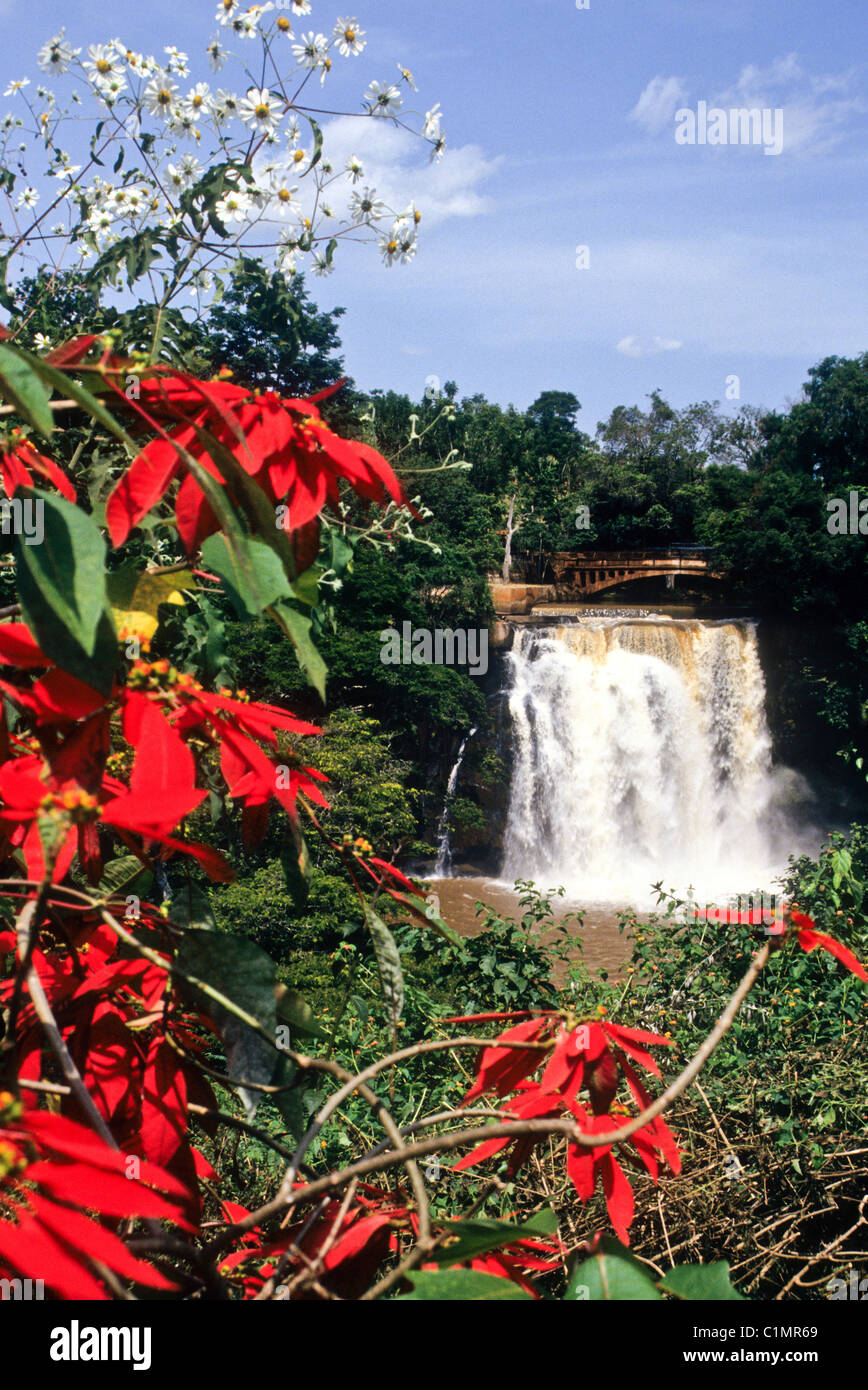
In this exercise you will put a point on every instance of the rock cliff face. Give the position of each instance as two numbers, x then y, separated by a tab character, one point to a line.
479	802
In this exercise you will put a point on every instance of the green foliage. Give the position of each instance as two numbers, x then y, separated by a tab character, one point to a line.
613	1274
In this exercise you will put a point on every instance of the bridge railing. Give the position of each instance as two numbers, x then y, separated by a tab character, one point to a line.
677	556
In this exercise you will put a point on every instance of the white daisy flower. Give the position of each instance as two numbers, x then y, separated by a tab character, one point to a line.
137	61
281	193
293	131
399	245
298	160
16	86
431	124
260	110
407	76
178	61
199	101
201	283
438	149
183	123
111	89
225	105
383	99
226	11
217	55
161	95
102	63
101	223
354	168
299	7
283	26
57	54
234	206
246	25
41	342
27	198
321	265
184	174
349	36
366	206
312	50
287	243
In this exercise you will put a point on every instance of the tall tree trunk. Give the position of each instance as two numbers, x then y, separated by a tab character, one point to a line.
510	532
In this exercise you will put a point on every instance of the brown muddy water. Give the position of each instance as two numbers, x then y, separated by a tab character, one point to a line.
604	947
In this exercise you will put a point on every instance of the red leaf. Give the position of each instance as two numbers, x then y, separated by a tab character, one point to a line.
93	1240
809	940
37	1254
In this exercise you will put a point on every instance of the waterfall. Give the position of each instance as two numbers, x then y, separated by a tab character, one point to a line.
443	867
642	753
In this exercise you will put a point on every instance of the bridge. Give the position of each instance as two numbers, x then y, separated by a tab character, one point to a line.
578	574
587	572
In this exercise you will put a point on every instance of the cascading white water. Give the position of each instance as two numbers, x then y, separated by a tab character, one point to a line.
443	866
642	753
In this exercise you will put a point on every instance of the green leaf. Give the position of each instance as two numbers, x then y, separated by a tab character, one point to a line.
317	141
477	1236
296	865
124	875
191	907
429	912
22	387
253	575
242	972
612	1274
61	587
293	1009
306	587
702	1283
136	596
5	297
388	964
462	1285
297	627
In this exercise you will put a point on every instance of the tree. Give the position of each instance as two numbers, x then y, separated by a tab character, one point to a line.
272	337
825	435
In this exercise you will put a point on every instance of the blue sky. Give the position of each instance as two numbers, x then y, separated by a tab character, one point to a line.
705	262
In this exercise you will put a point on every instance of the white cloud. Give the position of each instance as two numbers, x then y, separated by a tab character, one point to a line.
647	347
818	108
397	166
658	103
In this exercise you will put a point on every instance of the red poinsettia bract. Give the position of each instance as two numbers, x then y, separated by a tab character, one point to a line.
54	1172
343	1250
592	1057
284	444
